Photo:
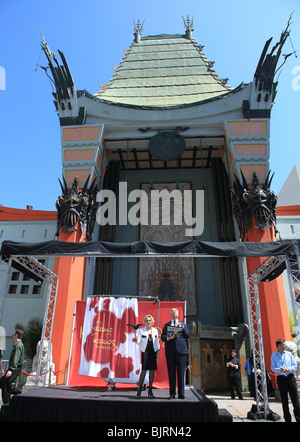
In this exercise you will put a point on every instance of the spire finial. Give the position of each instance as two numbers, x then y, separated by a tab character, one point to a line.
188	26
138	30
45	45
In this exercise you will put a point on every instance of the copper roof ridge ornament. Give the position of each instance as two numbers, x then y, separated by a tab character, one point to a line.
189	26
138	30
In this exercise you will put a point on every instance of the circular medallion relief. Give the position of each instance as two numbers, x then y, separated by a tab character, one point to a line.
167	146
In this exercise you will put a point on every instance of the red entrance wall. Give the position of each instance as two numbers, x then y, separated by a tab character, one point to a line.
71	274
274	312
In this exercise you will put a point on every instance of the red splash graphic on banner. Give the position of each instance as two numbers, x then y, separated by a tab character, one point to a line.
107	333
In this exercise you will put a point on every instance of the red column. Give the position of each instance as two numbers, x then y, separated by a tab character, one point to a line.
71	273
274	313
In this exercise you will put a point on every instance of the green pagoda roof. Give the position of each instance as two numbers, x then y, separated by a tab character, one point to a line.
163	71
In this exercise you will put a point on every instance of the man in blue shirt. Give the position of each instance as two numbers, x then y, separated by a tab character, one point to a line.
284	365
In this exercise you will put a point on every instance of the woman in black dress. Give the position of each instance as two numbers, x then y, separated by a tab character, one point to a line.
147	339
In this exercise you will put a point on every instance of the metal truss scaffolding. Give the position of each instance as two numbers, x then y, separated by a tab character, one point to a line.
261	273
39	271
292	264
293	271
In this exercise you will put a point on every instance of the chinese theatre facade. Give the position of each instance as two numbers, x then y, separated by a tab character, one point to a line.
167	123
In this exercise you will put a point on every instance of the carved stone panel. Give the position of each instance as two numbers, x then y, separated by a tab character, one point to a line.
170	279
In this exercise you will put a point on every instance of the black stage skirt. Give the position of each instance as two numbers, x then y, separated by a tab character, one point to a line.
149	360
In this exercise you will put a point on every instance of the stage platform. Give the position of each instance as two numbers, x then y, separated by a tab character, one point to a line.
83	404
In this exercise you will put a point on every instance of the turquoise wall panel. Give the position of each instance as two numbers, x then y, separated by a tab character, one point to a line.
208	284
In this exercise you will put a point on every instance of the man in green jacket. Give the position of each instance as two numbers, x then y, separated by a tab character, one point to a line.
15	364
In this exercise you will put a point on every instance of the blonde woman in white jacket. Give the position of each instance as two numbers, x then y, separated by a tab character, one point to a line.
147	339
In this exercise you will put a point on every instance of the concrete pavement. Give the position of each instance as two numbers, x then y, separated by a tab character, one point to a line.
239	408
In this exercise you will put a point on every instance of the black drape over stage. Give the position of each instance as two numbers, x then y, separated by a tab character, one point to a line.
197	249
146	248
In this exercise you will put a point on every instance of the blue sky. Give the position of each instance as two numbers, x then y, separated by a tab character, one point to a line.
93	35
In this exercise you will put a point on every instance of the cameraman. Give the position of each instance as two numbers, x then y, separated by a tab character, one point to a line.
14	367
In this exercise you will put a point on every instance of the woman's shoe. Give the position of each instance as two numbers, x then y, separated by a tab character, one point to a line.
150	395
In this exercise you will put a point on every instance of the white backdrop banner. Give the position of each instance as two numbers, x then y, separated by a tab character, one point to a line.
108	347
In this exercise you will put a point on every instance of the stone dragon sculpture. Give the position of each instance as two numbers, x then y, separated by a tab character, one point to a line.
256	200
77	205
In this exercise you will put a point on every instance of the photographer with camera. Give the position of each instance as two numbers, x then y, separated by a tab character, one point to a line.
15	364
